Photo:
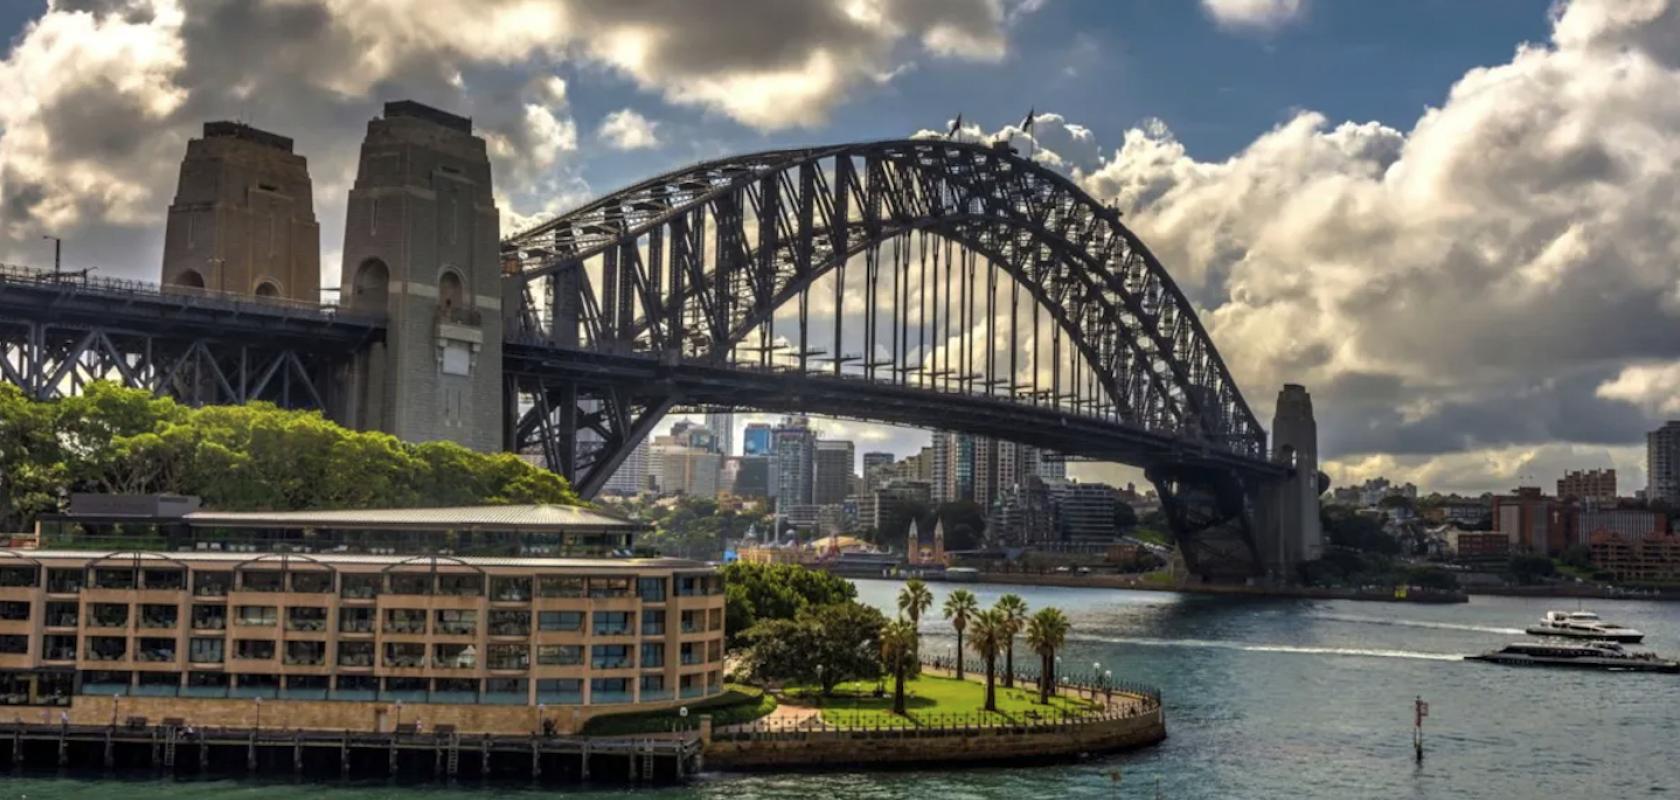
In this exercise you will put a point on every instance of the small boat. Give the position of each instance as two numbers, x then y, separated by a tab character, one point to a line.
1590	655
1583	625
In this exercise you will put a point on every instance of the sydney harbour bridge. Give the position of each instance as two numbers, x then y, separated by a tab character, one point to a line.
930	283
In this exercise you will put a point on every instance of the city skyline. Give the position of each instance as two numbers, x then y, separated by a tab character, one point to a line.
1538	350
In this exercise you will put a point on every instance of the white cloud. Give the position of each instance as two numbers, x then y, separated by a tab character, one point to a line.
1263	15
625	129
1653	387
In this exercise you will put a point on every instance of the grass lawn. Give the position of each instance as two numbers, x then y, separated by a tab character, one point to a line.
933	701
737	704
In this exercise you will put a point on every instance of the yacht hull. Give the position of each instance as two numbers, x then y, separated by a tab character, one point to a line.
1597	636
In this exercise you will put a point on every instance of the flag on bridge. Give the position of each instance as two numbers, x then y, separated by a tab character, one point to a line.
956	125
1027	124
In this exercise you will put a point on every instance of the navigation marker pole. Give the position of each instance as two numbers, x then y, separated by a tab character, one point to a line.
1420	710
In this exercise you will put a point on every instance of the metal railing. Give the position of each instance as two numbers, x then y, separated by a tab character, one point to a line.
85	283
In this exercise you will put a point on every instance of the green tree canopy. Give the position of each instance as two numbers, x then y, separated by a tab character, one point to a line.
822	645
754	593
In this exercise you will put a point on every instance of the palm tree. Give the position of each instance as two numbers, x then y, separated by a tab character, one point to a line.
914	599
989	630
1046	632
898	645
1014	612
960	607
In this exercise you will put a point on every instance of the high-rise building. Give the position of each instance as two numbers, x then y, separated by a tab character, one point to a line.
1662	463
833	471
689	471
752	477
1051	466
243	220
1083	512
1592	484
632	475
758	439
872	465
722	425
794	445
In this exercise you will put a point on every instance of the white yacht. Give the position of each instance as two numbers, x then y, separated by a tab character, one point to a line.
1583	625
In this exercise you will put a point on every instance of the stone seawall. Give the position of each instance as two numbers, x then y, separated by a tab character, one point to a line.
911	746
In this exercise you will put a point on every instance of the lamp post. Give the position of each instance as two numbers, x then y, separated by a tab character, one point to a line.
542	709
58	252
1096	677
259	714
1108	686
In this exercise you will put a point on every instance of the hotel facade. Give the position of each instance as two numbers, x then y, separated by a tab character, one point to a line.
503	619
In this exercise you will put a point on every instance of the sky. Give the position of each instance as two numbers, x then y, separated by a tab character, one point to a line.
1455	223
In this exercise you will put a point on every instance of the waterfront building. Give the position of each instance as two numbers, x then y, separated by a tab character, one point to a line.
1533	522
1651	559
722	426
472	616
1631	524
832	471
1477	544
1592	484
1083	512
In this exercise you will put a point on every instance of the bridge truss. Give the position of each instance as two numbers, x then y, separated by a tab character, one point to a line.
925	282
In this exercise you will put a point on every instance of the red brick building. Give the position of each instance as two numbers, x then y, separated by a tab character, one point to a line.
1653	559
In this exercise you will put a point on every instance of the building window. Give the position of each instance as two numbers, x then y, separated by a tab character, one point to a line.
689	653
62	615
461	585
714	619
653	655
455	622
105	578
652	684
560	690
260	581
355	654
206	651
405	654
108	615
560	586
212	584
355	620
505	690
209	618
306	654
510	589
455	656
507	656
559	655
411	584
259	649
18	577
107	648
14	643
258	615
155	650
14	610
167	580
157	615
312	582
560	620
58	647
306	618
714	651
609	656
653	623
693	621
651	590
405	620
64	581
609	587
612	623
605	691
359	587
510	623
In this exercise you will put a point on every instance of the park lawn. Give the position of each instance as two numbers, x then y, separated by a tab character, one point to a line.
736	705
935	701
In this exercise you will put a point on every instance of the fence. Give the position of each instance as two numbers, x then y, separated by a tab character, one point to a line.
179	295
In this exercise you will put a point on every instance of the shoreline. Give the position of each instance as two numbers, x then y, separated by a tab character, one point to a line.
1075	581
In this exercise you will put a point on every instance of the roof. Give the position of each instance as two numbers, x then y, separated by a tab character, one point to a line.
604	565
534	518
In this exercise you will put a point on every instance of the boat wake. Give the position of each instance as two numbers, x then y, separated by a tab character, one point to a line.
1252	647
1416	623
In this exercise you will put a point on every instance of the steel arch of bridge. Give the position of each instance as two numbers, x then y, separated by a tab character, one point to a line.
644	299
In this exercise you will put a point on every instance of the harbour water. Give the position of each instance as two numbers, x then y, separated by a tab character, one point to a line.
1284	698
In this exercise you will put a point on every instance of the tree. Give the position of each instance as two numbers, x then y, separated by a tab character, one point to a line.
1527	569
1125	517
898	647
913	600
1577	556
1046	633
757	592
825	645
960	607
1013	611
965	524
989	634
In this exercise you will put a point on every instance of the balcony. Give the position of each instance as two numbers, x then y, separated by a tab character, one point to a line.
306	654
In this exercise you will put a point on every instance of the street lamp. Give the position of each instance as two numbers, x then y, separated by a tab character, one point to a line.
1096	677
259	714
58	252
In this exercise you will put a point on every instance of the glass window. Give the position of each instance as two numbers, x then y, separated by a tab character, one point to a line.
14	643
212	584
171	580
651	590
254	648
108	615
609	656
559	655
65	581
205	651
612	623
110	578
714	619
693	621
461	585
58	647
209	618
609	587
510	623
560	586
405	620
256	580
603	691
155	649
355	620
560	620
17	576
257	615
157	615
653	622
560	690
455	656
507	656
409	583
355	654
405	654
359	586
306	618
14	610
62	615
457	622
652	683
510	589
106	648
653	655
312	582
307	654
689	653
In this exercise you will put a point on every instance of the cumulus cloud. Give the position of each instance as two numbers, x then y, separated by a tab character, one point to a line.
1469	286
1263	15
625	129
102	94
